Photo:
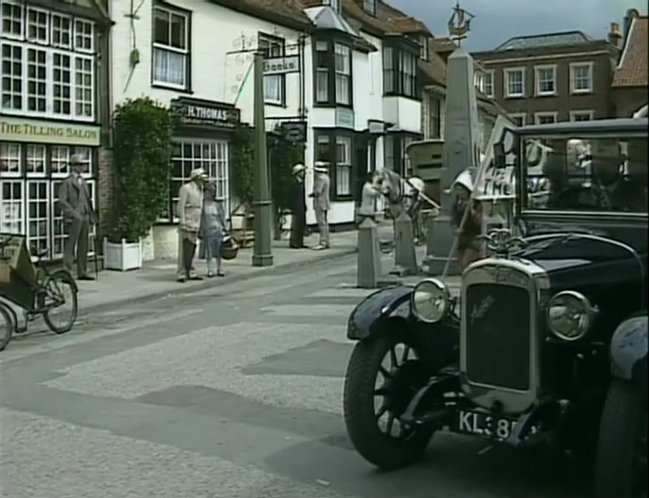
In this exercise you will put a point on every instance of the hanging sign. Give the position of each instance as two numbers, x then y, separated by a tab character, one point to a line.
282	65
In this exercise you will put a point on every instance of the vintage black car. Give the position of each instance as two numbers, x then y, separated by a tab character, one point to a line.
546	345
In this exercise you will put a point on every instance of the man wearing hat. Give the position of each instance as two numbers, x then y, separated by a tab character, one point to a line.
321	203
189	208
78	215
298	208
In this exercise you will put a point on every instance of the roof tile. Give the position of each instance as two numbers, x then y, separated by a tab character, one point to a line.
633	70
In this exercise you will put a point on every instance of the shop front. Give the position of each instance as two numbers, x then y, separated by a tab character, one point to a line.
34	160
202	139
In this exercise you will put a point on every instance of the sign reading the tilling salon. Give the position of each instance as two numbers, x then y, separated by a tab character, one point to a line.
45	132
194	112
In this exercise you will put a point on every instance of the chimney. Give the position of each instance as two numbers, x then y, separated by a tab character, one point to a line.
615	35
630	14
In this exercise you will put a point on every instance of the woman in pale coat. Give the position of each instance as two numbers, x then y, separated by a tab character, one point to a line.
212	229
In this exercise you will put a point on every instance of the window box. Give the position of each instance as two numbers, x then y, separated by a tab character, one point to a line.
546	80
515	82
123	256
333	73
581	77
171	56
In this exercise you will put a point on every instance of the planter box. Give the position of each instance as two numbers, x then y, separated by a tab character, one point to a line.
123	256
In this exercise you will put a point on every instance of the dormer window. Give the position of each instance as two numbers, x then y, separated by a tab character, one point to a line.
370	6
334	4
423	50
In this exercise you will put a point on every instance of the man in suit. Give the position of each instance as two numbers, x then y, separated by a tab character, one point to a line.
189	209
321	202
298	208
78	216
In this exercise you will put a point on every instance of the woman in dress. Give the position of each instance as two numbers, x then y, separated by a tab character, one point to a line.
212	229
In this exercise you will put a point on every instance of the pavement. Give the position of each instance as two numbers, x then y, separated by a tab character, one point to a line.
230	391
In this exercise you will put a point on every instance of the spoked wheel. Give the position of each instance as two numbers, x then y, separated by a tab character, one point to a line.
6	328
621	468
384	374
61	302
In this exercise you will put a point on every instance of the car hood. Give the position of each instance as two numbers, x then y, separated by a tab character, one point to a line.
609	273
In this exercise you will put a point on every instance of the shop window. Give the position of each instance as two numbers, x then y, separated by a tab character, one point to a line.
333	78
336	148
11	206
171	29
48	69
274	84
212	156
38	219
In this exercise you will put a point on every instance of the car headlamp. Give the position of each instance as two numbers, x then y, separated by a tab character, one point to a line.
570	315
430	300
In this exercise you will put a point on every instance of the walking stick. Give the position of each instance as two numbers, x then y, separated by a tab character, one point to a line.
96	243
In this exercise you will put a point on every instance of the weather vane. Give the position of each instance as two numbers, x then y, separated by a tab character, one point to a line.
459	24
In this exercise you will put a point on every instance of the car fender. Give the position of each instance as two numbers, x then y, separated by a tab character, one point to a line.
629	349
364	320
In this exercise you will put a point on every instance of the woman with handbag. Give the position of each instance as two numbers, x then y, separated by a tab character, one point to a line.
212	229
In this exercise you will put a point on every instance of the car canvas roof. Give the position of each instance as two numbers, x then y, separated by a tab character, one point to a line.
596	126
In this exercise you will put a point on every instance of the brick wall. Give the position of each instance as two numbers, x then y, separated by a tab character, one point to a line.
105	187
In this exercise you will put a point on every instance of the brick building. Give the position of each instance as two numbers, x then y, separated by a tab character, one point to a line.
551	77
629	89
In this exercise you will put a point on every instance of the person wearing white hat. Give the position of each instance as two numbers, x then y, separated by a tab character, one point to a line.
78	215
321	202
189	209
466	219
298	208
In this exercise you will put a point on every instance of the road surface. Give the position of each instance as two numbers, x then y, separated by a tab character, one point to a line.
234	392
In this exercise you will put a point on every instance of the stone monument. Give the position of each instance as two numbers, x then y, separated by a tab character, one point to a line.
461	142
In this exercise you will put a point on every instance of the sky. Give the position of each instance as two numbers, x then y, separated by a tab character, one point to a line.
498	20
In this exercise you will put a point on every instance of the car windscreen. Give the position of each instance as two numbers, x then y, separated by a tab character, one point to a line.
585	173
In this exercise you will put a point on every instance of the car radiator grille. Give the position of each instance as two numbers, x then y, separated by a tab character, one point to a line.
498	336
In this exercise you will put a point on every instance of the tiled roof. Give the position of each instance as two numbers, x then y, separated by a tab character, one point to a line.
632	70
441	45
544	40
287	13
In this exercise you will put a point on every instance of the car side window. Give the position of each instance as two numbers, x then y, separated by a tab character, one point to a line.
586	174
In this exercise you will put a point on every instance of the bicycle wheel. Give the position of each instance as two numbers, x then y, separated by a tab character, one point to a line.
6	328
61	300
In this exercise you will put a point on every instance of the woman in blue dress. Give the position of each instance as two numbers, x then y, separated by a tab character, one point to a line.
212	229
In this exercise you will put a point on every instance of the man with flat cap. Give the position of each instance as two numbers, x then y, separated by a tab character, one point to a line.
78	216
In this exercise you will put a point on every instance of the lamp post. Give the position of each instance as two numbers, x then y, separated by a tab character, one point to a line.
262	255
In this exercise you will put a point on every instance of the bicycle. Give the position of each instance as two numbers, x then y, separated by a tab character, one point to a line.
35	288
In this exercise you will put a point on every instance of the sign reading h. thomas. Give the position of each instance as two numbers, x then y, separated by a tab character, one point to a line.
195	112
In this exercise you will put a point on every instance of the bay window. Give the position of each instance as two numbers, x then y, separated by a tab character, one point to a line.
171	28
336	148
333	73
400	71
48	64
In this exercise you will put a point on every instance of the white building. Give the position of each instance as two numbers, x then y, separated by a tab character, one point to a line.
195	56
359	87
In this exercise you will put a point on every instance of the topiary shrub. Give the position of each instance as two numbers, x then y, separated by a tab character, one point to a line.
142	167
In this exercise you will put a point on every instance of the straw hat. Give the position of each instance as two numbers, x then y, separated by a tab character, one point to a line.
76	158
198	173
298	168
321	167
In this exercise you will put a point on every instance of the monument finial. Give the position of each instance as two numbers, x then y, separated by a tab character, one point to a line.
459	24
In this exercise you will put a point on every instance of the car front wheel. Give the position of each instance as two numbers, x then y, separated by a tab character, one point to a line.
621	466
384	373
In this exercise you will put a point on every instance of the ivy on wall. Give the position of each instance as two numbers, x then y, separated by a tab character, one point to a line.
243	164
142	167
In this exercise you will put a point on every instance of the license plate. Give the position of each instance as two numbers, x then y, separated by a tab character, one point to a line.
482	424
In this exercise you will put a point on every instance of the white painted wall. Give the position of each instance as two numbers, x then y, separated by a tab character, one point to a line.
215	75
